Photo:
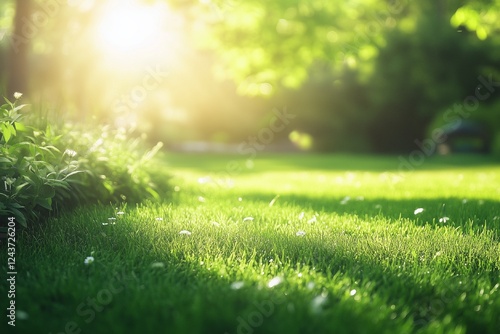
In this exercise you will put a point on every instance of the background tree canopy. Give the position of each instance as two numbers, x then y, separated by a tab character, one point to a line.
359	75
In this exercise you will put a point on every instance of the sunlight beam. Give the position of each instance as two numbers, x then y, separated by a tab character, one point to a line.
136	32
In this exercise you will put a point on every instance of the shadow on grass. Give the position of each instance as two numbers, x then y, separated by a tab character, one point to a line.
416	292
185	296
476	215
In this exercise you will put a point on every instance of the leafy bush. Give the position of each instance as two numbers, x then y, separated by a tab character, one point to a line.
116	166
50	167
31	169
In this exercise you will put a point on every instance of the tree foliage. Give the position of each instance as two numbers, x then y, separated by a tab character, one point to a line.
393	65
364	73
279	41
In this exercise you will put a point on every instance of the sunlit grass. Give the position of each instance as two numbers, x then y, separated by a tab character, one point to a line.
342	248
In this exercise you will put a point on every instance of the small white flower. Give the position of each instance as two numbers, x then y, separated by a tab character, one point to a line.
345	200
246	219
312	220
159	219
318	302
88	260
353	292
216	224
274	282
17	95
237	285
300	233
112	220
120	213
301	215
185	232
157	265
70	153
418	211
444	219
201	199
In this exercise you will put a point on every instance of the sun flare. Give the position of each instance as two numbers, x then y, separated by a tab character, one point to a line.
135	31
127	29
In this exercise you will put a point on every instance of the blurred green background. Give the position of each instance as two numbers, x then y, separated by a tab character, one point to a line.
360	76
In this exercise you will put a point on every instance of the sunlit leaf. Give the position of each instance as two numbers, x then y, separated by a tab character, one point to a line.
481	33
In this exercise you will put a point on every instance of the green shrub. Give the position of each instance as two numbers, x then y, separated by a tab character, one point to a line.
31	169
53	167
117	167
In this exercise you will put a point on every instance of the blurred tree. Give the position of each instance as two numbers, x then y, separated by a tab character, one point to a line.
480	16
405	61
419	74
331	107
277	42
365	72
19	48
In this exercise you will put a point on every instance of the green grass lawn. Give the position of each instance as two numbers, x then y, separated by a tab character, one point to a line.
295	244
